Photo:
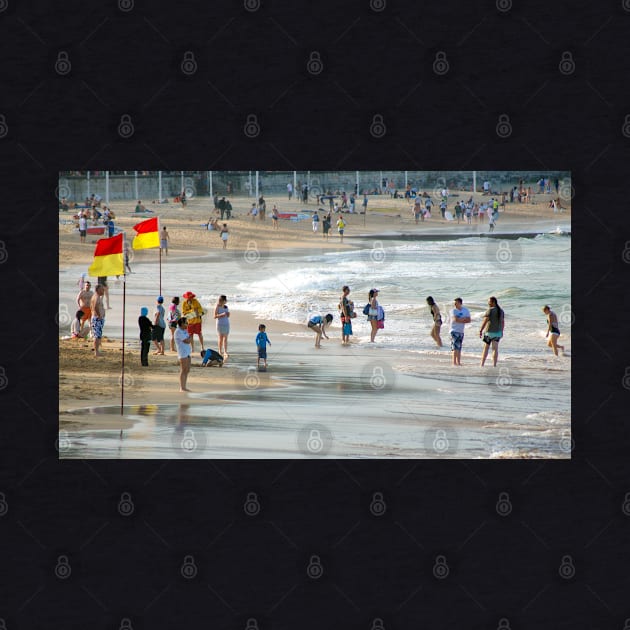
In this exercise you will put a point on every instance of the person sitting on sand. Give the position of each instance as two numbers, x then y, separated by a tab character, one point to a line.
76	330
318	325
552	329
139	207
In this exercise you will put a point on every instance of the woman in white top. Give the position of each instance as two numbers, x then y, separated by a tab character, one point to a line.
373	313
222	315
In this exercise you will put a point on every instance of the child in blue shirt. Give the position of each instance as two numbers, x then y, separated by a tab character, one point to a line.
261	343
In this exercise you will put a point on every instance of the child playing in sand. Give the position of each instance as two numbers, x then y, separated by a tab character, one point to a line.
261	343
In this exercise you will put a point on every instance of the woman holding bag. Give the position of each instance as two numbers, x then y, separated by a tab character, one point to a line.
373	313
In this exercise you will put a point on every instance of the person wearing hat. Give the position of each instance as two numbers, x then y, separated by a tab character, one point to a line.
159	326
146	330
193	312
373	313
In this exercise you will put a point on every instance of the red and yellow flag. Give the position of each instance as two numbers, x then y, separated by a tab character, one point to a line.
148	235
108	257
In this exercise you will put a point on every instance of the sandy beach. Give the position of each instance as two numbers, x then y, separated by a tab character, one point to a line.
332	402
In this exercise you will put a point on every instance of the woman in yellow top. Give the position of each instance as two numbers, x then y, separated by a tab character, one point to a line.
193	312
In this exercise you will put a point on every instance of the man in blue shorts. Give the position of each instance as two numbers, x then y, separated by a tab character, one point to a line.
460	316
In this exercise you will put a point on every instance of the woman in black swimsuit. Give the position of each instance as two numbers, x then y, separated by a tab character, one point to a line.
437	321
553	332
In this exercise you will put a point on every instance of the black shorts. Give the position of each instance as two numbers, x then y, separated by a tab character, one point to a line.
82	232
157	334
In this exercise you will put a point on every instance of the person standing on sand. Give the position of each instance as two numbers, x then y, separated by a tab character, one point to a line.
224	235
373	313
174	314
341	227
164	239
146	330
494	319
274	217
98	319
261	345
315	222
82	227
84	299
552	329
102	280
326	226
262	208
365	203
159	326
290	190
460	316
437	321
193	312
318	324
222	315
184	350
346	308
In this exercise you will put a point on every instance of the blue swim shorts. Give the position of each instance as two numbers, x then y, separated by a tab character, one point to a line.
456	340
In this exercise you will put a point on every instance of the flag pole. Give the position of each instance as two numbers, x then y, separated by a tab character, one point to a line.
160	248
122	376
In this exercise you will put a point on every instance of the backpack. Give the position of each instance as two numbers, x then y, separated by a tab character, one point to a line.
366	309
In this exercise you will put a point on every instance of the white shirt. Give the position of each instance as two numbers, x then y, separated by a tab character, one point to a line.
458	312
183	349
83	223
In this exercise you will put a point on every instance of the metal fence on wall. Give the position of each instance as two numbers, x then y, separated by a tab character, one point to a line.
152	185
